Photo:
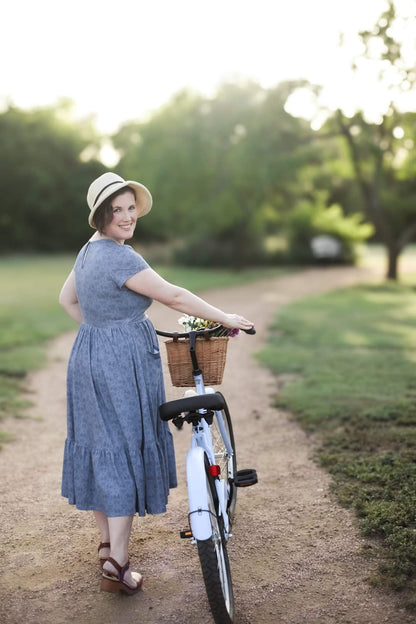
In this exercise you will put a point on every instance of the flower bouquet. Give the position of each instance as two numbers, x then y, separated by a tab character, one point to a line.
194	323
211	351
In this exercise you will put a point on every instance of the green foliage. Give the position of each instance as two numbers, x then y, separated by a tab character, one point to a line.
352	355
43	181
220	170
313	218
227	173
382	152
221	250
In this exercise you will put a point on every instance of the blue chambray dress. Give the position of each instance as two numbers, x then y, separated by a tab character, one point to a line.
119	457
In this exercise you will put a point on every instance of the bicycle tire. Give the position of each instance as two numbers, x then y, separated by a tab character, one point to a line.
227	464
215	564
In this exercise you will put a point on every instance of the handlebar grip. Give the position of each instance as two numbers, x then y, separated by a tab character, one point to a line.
250	331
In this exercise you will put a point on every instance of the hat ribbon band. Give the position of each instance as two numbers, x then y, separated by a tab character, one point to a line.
105	187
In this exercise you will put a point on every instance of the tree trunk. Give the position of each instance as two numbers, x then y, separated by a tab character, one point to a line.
393	261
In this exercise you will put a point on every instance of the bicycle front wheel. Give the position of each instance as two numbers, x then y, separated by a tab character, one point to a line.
221	429
215	564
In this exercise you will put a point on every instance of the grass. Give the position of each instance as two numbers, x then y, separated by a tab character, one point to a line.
30	314
353	357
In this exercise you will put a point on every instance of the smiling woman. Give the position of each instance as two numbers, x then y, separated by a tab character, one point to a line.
107	188
116	217
119	457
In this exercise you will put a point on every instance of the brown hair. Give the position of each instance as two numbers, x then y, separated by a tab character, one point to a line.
104	213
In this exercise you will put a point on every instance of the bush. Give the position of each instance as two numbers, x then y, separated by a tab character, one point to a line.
225	250
341	234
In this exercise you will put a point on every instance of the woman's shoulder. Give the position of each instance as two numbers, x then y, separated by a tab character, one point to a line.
122	257
134	257
124	252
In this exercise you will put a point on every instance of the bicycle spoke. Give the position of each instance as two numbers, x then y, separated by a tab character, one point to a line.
215	565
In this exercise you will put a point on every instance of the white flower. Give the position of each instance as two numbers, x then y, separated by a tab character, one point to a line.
188	322
191	322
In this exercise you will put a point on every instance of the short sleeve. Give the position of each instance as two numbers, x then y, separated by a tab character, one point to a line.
128	264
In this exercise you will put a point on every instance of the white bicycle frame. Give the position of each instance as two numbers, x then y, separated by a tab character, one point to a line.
198	495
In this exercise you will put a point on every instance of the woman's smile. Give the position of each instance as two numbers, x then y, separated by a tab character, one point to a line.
124	218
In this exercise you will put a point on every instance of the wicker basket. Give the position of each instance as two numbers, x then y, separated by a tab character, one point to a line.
211	355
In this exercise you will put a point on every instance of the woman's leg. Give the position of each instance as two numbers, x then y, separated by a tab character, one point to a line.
120	529
102	523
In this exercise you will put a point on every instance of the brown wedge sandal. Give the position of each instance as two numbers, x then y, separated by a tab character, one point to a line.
103	559
112	583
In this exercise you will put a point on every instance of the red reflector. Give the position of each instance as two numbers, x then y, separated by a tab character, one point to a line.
214	471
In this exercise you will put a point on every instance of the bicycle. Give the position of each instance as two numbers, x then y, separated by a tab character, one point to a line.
212	478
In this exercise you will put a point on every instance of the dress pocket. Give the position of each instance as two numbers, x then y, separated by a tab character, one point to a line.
152	343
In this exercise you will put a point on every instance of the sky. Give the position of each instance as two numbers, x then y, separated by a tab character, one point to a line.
123	59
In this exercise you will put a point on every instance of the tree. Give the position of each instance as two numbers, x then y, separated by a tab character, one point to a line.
221	170
383	153
43	179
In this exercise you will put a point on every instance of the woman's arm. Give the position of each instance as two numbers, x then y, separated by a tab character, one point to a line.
69	300
150	284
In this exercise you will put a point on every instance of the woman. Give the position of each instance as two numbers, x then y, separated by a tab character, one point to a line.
119	456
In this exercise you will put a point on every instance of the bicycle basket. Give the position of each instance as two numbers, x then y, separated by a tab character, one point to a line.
211	355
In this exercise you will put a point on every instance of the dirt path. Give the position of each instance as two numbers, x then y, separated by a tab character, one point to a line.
295	555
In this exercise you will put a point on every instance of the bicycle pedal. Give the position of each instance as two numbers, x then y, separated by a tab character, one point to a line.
186	534
245	478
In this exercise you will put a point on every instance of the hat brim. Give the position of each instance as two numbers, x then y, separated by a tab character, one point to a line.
144	198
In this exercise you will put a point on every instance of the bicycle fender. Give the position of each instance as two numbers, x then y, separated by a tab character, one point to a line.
199	517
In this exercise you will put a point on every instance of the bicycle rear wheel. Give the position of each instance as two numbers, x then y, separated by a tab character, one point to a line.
215	564
227	462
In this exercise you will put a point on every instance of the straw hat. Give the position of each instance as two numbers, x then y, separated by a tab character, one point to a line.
109	183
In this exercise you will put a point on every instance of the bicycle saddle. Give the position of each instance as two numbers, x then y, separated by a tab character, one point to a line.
171	409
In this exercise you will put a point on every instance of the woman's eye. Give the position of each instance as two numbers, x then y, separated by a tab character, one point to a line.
116	210
132	208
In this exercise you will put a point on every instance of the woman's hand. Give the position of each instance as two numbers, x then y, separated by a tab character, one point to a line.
235	321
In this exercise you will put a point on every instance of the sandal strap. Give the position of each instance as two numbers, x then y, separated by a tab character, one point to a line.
121	570
103	545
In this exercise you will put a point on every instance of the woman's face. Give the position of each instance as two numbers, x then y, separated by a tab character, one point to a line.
124	219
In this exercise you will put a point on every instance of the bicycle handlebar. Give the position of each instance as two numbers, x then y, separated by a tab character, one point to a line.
250	331
199	332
